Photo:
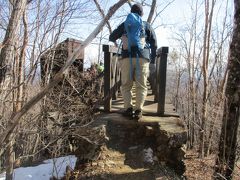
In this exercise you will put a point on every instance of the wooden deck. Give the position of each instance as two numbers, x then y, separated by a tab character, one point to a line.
150	107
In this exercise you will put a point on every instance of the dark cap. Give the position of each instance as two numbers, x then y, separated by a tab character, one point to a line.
137	8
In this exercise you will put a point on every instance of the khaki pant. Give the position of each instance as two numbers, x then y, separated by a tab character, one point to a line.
139	75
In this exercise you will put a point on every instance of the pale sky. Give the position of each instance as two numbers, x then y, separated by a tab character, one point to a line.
174	17
170	17
162	31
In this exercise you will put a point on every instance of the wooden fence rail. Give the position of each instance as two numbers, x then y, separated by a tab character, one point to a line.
161	75
112	77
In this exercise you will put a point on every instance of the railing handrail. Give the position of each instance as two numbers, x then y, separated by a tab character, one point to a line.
161	76
111	76
110	49
112	79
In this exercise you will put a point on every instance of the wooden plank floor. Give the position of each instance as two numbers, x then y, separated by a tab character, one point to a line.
150	107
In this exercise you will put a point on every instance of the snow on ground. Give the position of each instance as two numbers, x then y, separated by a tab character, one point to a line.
148	156
51	167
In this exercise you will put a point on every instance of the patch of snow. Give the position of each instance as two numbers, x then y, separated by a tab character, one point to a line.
148	155
51	167
3	176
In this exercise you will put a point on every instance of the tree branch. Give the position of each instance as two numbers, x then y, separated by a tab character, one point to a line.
153	6
103	15
16	118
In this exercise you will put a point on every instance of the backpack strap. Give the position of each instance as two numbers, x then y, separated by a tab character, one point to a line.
130	57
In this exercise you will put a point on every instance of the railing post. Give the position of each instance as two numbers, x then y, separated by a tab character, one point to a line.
156	80
161	78
107	78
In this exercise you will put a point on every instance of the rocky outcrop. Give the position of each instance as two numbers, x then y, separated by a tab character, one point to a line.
167	136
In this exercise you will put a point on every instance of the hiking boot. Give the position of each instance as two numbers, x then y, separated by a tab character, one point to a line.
138	114
128	112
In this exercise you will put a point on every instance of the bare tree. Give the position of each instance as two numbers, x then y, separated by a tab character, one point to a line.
49	26
203	47
209	7
6	61
220	83
58	77
229	133
9	39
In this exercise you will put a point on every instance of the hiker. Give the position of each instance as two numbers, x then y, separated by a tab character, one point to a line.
137	52
100	67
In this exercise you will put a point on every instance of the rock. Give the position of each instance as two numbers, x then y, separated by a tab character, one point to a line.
163	153
178	154
162	139
177	139
161	148
168	134
149	131
147	156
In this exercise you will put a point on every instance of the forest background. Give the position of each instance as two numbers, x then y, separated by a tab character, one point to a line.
198	33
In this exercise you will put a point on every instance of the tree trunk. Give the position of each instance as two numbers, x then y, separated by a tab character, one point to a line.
6	67
228	139
9	39
153	6
10	157
20	68
217	67
207	34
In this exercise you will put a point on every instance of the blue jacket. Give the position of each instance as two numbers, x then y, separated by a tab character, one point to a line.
150	39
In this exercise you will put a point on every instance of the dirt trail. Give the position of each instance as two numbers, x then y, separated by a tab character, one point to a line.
127	156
